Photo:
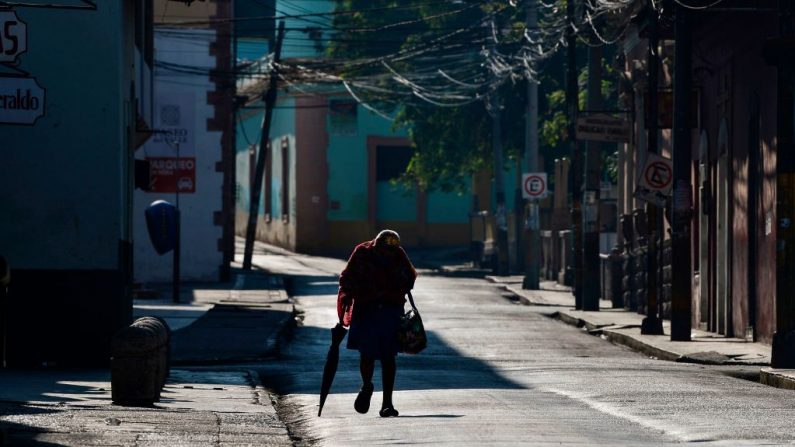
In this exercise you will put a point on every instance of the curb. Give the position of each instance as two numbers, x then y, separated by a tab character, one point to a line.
574	321
618	338
271	346
523	299
779	378
635	345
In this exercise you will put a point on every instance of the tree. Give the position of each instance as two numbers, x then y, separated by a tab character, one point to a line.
442	47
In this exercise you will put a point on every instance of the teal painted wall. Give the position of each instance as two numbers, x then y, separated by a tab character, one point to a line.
66	189
297	41
66	179
248	132
449	207
395	202
283	125
252	49
348	168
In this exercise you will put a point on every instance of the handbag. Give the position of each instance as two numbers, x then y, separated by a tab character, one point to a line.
411	333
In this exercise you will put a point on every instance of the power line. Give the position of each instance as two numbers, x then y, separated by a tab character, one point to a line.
305	15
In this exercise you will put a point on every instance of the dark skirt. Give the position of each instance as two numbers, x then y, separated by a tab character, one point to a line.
374	329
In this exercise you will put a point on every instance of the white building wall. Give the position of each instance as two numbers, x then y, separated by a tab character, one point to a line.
182	64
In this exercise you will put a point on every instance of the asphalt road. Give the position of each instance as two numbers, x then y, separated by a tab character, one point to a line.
498	373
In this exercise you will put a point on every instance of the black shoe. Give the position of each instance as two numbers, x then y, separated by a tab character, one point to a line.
362	403
388	412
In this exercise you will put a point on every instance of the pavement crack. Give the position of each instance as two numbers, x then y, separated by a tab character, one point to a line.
218	432
291	415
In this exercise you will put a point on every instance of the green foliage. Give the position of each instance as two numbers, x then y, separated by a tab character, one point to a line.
610	166
452	143
553	127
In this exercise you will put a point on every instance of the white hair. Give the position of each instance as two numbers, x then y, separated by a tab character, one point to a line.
383	234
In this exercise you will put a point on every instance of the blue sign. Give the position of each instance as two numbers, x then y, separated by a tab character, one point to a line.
161	221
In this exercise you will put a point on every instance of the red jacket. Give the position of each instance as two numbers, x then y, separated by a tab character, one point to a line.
374	275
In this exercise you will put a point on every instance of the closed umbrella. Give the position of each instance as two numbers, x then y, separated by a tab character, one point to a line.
332	360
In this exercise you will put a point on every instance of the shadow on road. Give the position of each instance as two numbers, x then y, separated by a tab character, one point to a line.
229	334
300	366
441	416
15	433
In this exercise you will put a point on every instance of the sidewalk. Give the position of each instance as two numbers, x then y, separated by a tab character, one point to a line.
220	405
622	327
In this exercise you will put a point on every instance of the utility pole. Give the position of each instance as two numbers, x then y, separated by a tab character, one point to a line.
519	222
652	323
682	272
783	353
576	158
270	100
590	223
532	235
494	106
499	180
175	260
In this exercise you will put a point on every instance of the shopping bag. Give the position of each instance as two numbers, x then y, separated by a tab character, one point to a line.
411	334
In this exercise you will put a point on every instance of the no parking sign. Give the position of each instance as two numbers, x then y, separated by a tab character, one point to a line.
534	185
655	180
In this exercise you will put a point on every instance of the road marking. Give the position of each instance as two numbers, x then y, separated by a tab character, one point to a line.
617	412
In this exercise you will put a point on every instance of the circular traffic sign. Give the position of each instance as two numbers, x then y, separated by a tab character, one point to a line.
535	186
658	175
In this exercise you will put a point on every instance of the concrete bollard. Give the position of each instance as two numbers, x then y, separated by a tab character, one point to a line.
139	362
164	352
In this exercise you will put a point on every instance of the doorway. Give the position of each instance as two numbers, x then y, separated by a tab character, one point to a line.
392	204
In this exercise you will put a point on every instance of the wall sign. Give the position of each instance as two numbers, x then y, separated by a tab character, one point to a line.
21	100
603	127
13	36
171	151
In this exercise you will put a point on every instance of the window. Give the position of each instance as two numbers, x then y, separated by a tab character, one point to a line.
267	187
285	179
391	162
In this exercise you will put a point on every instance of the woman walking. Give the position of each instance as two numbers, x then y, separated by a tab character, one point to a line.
370	301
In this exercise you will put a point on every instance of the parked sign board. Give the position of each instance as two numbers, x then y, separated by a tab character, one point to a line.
13	36
603	127
655	180
534	185
21	100
171	174
171	151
